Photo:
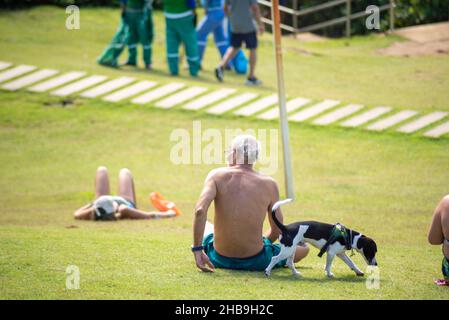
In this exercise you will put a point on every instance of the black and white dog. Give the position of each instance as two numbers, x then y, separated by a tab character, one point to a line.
321	236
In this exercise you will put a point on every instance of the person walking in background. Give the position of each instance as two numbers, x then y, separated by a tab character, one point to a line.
239	62
245	23
214	22
180	28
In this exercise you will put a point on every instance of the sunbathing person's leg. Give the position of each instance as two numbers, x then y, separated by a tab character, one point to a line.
126	190
102	182
126	186
87	212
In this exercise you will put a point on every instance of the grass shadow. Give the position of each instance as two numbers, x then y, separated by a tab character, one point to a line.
286	276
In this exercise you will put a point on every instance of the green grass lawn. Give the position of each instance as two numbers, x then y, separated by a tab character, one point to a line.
384	185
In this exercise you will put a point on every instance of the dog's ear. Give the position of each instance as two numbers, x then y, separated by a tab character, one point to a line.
361	242
369	249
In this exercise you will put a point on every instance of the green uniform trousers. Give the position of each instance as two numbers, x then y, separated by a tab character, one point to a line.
115	48
182	30
137	33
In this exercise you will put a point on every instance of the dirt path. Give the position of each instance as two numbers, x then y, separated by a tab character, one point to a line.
430	39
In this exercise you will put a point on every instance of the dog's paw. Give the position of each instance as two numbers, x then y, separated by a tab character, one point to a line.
267	273
329	275
296	273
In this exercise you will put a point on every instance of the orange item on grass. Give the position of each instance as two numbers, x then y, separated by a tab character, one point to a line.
159	202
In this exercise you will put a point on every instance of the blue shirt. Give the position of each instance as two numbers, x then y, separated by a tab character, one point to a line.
213	4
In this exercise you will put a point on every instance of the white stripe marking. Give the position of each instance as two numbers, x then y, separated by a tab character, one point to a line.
15	72
438	131
4	65
209	99
158	93
29	79
180	97
257	106
130	91
58	81
422	122
78	86
291	106
365	117
232	103
392	120
314	110
338	114
107	87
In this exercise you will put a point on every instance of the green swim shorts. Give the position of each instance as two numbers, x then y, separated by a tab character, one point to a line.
255	263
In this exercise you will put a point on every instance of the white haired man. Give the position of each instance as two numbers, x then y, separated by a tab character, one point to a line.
242	199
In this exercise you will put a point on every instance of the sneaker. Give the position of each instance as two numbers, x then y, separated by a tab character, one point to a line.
148	67
253	82
131	64
219	73
108	64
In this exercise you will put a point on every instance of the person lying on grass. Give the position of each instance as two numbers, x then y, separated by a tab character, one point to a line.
123	206
439	234
242	199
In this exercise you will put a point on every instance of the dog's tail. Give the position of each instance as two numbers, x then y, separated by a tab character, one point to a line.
273	214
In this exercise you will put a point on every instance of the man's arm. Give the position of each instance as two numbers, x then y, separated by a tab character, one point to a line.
85	213
274	232
256	13
199	223
207	196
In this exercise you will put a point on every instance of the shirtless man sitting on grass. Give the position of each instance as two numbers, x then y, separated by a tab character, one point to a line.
242	199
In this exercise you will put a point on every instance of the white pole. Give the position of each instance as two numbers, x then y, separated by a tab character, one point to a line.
288	176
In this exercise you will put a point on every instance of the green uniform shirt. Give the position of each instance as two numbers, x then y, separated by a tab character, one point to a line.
136	4
176	6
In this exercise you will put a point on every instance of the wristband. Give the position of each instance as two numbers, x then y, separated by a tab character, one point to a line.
197	248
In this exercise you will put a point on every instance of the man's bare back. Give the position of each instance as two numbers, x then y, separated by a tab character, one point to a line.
242	201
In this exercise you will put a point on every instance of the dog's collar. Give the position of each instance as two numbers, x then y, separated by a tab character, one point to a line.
338	231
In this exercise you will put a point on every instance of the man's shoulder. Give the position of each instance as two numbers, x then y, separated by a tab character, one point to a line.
217	172
267	179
